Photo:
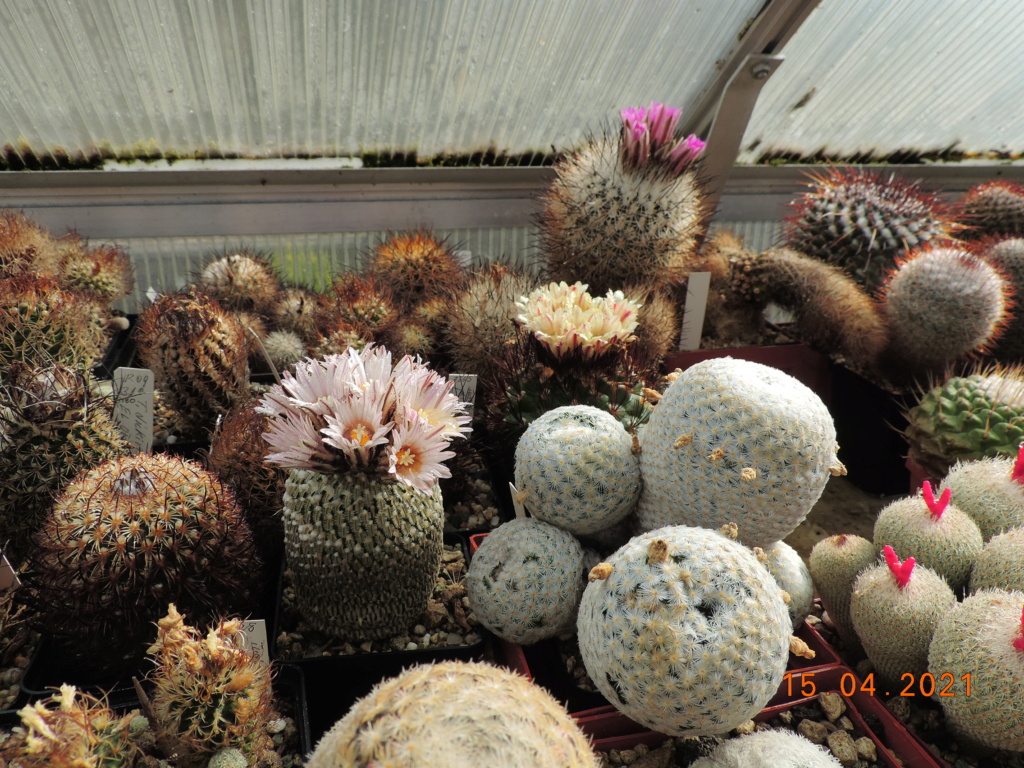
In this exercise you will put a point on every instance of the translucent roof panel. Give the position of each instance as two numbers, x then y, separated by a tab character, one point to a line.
277	78
877	79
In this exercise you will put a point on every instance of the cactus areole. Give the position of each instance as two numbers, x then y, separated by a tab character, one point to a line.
900	571
935	506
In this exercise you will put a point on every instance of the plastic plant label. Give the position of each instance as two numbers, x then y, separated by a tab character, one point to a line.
254	633
465	258
464	388
697	288
133	406
8	577
517	503
152	294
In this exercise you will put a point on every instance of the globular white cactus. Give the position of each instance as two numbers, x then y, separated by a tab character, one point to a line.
575	468
684	631
835	563
1001	563
991	491
524	582
792	575
768	749
736	441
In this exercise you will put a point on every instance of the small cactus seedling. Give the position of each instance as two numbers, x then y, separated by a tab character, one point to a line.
894	608
835	563
991	491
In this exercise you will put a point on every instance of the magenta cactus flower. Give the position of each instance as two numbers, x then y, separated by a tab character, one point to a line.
935	506
900	571
648	138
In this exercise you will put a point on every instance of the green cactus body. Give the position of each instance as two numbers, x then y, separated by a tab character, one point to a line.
684	631
732	440
241	282
1001	563
524	582
863	222
894	608
978	644
765	748
576	469
942	304
455	714
1007	255
934	532
835	563
792	575
363	551
967	417
990	491
125	539
993	208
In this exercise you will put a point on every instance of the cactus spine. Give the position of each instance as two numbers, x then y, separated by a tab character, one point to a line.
993	208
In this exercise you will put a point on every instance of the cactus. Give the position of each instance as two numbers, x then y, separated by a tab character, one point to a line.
792	575
575	468
626	208
455	713
125	539
409	337
684	631
894	608
363	443
862	221
835	563
524	582
26	247
934	532
990	490
979	643
296	310
284	348
1007	256
968	417
764	749
999	564
51	428
415	265
365	304
941	305
241	281
70	729
104	272
993	208
657	322
208	693
198	354
739	441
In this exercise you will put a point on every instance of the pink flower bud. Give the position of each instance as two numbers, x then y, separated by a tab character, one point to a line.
900	571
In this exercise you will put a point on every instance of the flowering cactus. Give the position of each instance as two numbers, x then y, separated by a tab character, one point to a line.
648	139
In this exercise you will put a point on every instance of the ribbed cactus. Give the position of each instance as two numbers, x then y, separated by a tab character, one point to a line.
125	539
991	491
524	582
733	440
415	265
26	247
835	563
626	207
296	310
862	221
575	468
198	354
980	643
934	532
768	748
1001	563
241	281
684	631
455	714
968	417
993	208
894	608
208	692
792	575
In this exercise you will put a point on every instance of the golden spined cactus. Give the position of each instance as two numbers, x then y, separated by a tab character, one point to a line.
127	538
51	429
242	281
25	246
104	272
70	729
365	304
415	265
459	714
42	324
209	692
198	354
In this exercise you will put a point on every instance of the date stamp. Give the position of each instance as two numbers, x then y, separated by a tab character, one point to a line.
926	684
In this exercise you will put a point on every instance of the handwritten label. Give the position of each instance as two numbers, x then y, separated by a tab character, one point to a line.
8	576
516	503
697	288
133	406
254	634
464	387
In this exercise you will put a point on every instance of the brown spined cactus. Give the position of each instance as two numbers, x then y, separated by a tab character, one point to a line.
993	208
657	328
104	272
415	265
1006	254
25	246
125	539
365	304
198	354
242	281
296	309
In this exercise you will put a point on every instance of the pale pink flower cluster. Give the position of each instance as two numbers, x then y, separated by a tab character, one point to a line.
648	136
569	321
357	412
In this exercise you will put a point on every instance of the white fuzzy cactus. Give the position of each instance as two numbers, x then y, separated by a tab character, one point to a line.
524	582
768	749
736	441
991	491
684	631
1001	563
792	575
575	468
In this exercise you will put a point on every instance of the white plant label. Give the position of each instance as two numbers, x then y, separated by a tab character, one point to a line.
8	576
133	406
697	288
516	503
464	388
465	258
254	632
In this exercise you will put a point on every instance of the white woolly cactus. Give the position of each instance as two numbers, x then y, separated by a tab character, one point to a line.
575	468
835	563
733	440
933	531
684	631
895	608
1001	563
991	491
978	649
524	582
768	749
284	348
793	577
